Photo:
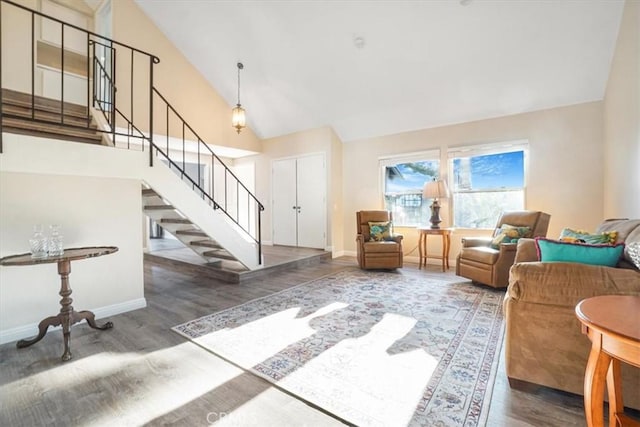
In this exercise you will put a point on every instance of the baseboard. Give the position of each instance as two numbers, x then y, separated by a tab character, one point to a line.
267	242
337	254
28	331
410	259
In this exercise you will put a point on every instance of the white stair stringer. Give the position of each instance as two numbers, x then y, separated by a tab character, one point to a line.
212	222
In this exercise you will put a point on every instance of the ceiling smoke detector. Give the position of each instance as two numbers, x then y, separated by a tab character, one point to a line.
358	42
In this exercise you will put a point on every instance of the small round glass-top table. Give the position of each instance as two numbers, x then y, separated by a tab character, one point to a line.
67	316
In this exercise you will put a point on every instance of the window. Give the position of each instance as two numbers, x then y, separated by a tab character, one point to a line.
402	180
486	180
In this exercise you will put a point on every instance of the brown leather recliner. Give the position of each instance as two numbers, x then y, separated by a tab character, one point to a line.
481	263
372	254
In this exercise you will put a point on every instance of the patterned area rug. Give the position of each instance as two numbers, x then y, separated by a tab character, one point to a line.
374	348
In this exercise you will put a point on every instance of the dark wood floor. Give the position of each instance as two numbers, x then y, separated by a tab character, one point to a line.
140	372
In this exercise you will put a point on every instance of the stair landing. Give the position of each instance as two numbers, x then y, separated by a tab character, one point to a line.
172	253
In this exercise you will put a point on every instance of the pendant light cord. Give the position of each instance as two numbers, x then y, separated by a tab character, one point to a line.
240	67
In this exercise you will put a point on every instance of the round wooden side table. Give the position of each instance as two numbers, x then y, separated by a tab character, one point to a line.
67	316
612	323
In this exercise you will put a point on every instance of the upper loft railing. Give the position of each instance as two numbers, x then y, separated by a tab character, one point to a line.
47	57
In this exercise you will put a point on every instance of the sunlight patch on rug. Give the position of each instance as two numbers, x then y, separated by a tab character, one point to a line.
374	348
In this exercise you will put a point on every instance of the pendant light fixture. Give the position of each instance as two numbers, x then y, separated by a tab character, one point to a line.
238	119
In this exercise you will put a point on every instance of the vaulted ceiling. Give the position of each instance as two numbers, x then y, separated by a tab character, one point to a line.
370	68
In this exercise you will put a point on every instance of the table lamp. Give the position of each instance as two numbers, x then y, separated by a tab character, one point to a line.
435	190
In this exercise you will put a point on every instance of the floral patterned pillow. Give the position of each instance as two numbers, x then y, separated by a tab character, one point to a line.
509	234
633	249
380	231
572	236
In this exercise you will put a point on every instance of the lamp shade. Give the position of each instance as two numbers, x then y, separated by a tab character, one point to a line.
238	119
435	189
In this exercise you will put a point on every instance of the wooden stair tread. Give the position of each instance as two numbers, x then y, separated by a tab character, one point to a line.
219	254
191	232
175	221
206	244
48	127
149	192
29	127
158	208
52	117
12	97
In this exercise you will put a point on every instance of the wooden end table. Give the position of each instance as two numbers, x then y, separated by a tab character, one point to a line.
67	316
446	245
612	323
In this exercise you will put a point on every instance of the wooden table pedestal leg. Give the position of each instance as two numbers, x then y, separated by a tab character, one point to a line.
614	379
67	316
43	326
66	310
447	246
594	383
421	250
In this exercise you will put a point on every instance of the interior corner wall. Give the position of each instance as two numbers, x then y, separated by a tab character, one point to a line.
336	195
92	212
622	121
565	168
179	81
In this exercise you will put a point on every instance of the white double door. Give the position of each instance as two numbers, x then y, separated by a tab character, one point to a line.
299	187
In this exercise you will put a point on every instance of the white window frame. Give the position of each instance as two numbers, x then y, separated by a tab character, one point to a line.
392	160
481	150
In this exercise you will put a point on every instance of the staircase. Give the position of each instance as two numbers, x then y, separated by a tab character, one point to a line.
70	124
216	216
175	222
47	118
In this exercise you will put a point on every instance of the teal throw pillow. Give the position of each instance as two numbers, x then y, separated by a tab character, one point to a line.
380	231
509	234
557	251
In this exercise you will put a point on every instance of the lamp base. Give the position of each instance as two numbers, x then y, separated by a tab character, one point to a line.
435	215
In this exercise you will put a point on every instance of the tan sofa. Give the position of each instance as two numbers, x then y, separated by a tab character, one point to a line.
543	339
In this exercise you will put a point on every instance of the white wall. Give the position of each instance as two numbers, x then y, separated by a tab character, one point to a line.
565	177
94	192
622	121
93	211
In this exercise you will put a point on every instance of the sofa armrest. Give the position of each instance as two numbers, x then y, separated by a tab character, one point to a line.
507	248
527	251
470	242
566	284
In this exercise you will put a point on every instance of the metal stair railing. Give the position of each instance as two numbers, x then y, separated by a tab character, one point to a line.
105	58
226	193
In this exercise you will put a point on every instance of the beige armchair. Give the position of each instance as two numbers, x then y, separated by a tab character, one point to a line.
373	254
481	263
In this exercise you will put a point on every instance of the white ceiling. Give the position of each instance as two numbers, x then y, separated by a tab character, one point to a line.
424	63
